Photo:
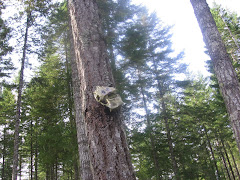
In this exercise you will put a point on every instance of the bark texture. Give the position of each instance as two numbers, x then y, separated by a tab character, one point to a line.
86	172
83	148
109	152
226	75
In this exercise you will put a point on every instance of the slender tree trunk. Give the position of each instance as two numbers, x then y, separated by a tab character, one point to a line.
226	75
234	161
20	167
212	153
56	170
4	153
36	153
109	152
226	154
149	127
31	141
19	99
224	163
52	172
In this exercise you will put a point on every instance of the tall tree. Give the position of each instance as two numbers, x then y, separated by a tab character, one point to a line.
19	101
222	64
134	46
30	7
109	152
145	48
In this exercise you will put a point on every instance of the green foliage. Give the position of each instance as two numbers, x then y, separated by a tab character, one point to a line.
194	118
201	121
146	49
7	106
5	63
228	24
47	94
50	103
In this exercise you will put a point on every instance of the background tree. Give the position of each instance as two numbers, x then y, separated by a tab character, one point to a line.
31	6
7	108
228	26
53	82
222	64
147	64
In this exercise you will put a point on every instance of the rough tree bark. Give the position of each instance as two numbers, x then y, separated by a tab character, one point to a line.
226	75
109	152
83	149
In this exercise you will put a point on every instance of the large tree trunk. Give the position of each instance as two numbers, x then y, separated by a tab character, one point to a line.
83	148
109	152
19	102
227	77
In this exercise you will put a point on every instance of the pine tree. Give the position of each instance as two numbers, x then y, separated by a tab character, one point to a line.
222	64
31	8
145	49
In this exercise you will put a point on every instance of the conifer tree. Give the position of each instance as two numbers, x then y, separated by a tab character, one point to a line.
30	9
225	73
145	48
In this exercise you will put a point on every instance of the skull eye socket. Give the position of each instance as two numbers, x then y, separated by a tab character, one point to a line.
98	98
